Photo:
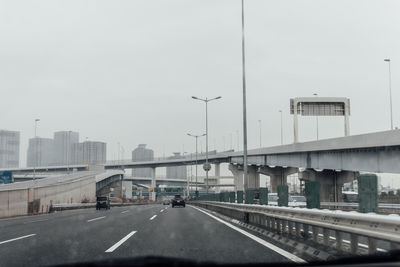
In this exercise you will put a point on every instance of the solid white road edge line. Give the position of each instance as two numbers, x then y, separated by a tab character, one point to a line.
119	243
278	250
125	211
152	218
17	238
95	219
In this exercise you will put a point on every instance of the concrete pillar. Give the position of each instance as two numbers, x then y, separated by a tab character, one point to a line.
254	177
153	184
278	176
331	182
275	180
218	172
237	172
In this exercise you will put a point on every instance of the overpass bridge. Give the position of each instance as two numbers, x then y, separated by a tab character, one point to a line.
332	162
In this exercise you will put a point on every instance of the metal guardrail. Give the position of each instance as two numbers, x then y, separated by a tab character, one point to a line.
384	208
322	224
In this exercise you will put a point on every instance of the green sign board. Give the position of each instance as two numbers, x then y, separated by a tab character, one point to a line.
368	193
6	177
283	195
313	194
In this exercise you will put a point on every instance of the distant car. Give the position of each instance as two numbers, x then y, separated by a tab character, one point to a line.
178	201
166	202
102	203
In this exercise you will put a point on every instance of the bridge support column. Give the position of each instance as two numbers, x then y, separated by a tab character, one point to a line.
237	172
153	184
254	177
331	182
218	172
278	176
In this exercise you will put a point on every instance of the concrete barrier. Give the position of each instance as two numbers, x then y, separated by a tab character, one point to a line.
74	206
13	203
35	197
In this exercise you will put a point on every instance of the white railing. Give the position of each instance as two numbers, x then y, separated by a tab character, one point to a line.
322	225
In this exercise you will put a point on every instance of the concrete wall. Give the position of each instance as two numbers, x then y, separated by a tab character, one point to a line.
15	202
73	192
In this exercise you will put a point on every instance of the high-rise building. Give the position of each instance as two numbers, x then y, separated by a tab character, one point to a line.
9	149
141	153
176	172
89	152
63	142
40	152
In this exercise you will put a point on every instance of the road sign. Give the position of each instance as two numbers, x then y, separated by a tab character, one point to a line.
207	166
6	178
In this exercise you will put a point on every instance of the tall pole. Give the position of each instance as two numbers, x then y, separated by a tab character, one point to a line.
315	94
207	146
245	176
196	193
196	136
390	94
36	150
259	122
237	142
231	147
207	168
281	127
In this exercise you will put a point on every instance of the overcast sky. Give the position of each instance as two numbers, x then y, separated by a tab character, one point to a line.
125	71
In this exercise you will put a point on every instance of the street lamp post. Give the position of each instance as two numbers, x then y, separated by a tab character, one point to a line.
315	94
245	175
196	136
390	93
280	111
36	152
207	165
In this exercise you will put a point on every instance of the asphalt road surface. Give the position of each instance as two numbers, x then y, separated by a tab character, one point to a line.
156	230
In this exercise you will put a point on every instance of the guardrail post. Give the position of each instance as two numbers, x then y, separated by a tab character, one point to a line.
326	236
268	219
339	240
297	226
306	231
315	232
278	225
290	226
353	243
371	245
284	226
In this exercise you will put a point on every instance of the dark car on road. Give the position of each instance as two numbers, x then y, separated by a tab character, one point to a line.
102	203
178	201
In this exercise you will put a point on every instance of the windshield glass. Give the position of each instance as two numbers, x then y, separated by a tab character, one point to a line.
223	131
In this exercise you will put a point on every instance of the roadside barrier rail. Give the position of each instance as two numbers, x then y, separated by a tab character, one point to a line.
300	222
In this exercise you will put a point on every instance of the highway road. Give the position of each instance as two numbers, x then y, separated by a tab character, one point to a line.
91	235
